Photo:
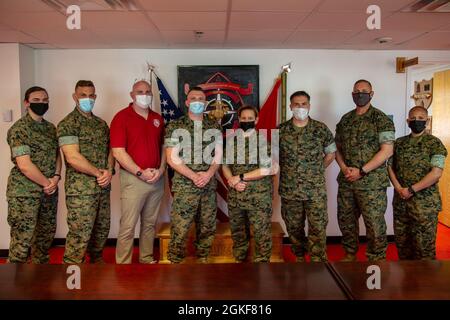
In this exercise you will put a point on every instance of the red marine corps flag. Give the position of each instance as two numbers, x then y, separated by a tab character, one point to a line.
269	112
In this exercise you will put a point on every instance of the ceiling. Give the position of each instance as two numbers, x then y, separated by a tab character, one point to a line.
306	24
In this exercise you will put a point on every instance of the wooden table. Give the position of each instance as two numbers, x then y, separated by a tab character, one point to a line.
277	281
407	280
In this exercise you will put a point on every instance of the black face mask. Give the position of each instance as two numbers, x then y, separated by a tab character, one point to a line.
417	126
361	98
39	108
247	125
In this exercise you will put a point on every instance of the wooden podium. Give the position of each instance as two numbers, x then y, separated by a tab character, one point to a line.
222	248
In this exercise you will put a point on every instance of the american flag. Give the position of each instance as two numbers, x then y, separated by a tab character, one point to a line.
169	110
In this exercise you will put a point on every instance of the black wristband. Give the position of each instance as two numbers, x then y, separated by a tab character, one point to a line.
411	190
362	173
57	175
241	176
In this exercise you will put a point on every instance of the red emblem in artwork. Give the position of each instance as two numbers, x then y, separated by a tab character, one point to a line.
223	98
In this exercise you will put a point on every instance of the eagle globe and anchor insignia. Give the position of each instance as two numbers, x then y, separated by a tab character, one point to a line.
223	98
423	96
423	93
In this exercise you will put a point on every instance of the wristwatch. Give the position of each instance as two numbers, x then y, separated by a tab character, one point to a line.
241	176
139	173
362	173
411	190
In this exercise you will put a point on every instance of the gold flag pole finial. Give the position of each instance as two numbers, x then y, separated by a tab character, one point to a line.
287	67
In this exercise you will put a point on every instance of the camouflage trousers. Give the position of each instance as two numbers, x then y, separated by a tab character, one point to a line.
88	219
260	220
371	204
187	208
415	227
33	226
294	214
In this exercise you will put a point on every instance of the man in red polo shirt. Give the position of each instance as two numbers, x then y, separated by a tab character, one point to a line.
137	136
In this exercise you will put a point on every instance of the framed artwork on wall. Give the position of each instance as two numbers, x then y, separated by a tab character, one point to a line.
226	87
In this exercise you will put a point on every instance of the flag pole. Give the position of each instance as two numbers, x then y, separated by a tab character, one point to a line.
156	97
286	69
283	96
151	71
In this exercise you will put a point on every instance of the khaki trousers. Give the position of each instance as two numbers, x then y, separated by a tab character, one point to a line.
139	199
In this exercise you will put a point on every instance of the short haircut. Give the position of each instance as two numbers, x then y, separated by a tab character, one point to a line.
300	94
196	88
141	81
33	89
363	81
84	83
417	108
247	107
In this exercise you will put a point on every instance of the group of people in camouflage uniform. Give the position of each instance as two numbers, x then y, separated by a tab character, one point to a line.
367	154
33	182
364	148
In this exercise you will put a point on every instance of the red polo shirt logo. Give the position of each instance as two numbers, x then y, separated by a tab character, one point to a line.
156	122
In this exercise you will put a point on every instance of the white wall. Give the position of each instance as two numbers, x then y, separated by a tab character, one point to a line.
9	99
327	75
26	69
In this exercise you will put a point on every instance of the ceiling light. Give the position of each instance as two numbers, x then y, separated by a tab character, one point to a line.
383	40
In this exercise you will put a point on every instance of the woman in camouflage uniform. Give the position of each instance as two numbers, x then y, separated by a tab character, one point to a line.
33	182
